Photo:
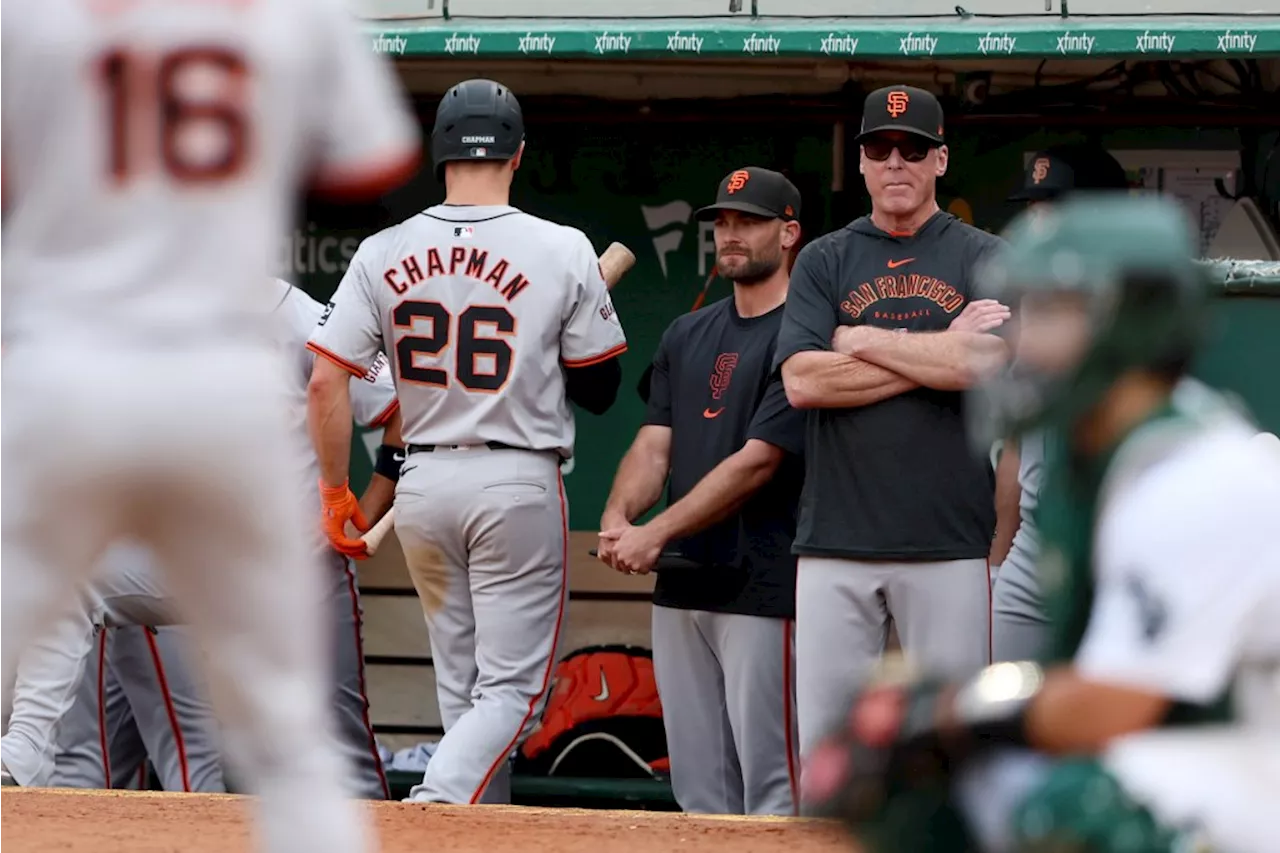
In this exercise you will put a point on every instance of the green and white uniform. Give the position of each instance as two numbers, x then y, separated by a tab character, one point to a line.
1175	588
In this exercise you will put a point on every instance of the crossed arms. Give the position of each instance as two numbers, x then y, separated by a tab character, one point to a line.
867	364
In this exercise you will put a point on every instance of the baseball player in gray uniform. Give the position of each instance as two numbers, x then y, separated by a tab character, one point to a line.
126	592
1019	624
494	320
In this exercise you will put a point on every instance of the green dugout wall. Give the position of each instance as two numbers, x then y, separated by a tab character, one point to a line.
639	181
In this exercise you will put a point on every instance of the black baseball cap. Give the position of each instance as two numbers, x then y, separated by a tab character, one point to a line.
903	108
762	192
1062	168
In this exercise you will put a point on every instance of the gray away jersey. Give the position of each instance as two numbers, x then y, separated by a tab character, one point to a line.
373	395
478	308
153	152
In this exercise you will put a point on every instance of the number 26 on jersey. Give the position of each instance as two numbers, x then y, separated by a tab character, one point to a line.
182	113
481	363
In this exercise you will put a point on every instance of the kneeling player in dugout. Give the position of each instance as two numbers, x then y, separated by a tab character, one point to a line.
1153	726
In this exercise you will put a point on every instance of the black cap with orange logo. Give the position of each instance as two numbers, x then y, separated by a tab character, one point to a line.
761	192
1062	168
905	109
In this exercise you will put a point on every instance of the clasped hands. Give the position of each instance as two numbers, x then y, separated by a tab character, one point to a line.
629	548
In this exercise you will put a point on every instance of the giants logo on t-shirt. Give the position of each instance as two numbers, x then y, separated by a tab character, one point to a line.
723	373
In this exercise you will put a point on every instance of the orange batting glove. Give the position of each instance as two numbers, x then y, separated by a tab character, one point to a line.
338	506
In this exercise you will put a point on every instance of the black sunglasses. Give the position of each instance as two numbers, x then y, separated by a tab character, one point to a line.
913	149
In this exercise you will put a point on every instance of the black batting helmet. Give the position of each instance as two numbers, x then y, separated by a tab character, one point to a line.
477	120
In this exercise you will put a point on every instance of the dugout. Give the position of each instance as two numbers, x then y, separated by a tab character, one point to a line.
634	110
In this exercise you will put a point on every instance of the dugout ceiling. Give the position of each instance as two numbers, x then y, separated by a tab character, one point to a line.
660	49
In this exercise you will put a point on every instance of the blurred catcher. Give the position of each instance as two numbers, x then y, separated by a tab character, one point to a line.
1153	727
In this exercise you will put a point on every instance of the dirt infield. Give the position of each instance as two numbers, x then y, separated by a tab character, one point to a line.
146	822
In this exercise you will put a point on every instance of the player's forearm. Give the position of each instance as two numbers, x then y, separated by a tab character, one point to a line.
380	494
378	497
329	421
947	361
830	380
721	493
636	487
1072	714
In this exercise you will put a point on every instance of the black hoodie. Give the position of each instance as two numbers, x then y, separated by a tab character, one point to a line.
895	480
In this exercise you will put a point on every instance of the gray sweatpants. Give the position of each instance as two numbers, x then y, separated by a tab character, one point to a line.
485	537
727	687
942	611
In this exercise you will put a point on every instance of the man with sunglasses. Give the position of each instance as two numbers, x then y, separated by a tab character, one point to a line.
878	340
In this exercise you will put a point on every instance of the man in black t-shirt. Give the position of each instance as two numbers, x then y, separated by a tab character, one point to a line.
878	340
721	428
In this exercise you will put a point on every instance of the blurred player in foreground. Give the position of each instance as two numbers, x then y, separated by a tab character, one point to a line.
46	721
153	155
1155	727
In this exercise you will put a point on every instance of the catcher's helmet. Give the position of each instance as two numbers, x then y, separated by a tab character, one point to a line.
1099	284
477	119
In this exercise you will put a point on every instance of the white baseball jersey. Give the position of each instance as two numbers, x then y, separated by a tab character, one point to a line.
373	396
1188	576
1187	606
153	152
478	308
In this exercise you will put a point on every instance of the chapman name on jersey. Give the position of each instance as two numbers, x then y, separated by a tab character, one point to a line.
472	262
478	308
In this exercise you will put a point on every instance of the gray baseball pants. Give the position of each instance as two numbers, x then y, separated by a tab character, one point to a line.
942	611
485	537
727	685
1019	625
140	699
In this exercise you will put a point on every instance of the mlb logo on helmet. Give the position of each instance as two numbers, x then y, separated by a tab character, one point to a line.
737	181
1040	169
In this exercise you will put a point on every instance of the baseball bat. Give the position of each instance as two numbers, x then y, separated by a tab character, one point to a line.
706	286
615	261
667	561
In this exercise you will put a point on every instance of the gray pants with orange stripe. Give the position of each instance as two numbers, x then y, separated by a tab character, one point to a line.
485	536
727	684
74	693
942	611
139	700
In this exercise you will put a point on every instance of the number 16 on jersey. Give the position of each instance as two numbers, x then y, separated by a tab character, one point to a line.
182	111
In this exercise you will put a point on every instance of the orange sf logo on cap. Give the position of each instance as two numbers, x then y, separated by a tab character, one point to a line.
738	180
898	101
1040	169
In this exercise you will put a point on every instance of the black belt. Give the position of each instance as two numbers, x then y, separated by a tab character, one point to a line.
431	448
